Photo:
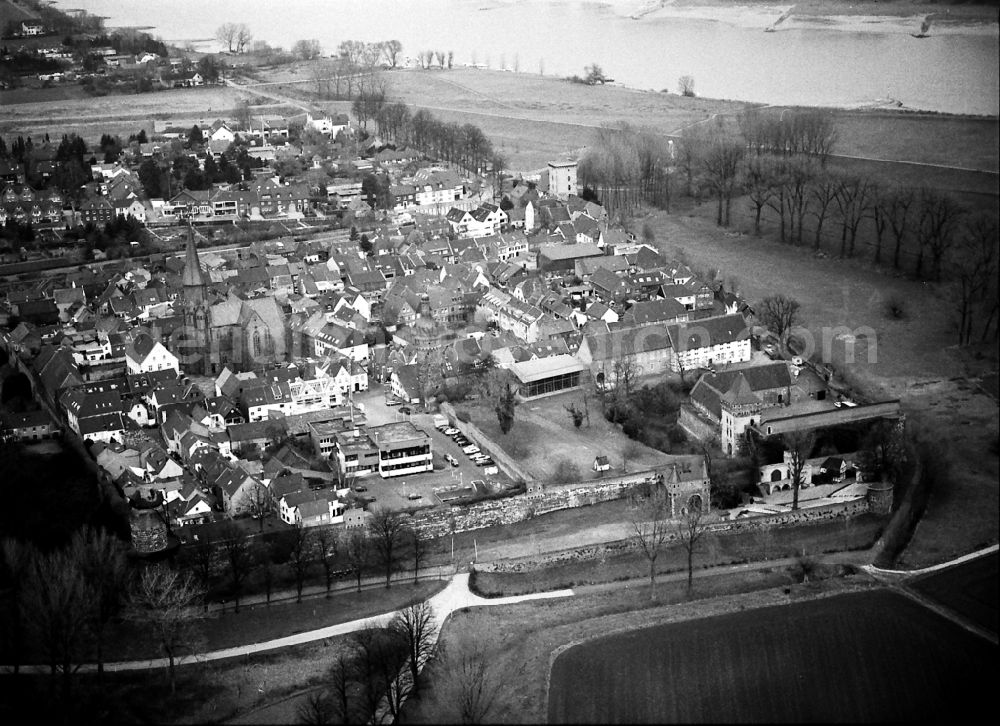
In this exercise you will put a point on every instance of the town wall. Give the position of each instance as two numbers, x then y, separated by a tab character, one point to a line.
815	515
520	507
696	425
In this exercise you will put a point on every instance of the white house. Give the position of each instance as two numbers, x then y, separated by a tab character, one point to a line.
708	342
145	355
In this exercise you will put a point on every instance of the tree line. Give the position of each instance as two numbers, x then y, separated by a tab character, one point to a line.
780	164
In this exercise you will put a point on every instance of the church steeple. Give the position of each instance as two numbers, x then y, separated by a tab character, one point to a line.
192	277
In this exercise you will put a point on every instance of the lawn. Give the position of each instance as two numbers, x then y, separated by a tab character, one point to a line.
874	656
543	435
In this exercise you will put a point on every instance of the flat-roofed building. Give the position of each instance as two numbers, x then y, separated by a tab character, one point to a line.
402	449
357	454
545	376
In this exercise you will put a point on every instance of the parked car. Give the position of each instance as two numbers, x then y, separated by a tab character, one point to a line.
392	402
414	496
485	462
470	449
449	431
461	441
491	470
451	459
405	410
360	488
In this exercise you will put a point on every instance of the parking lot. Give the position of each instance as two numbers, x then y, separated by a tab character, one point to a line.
395	493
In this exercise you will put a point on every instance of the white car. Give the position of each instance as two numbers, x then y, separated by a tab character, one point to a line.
470	450
450	431
490	470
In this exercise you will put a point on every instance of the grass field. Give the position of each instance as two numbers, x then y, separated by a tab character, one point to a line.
859	657
543	435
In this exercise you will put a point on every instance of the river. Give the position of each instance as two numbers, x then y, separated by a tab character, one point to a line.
832	61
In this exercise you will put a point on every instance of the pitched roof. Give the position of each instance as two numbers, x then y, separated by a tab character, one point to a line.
708	332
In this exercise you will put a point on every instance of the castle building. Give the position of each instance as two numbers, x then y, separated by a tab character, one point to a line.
687	488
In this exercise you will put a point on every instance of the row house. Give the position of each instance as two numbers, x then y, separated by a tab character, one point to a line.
707	342
280	199
510	314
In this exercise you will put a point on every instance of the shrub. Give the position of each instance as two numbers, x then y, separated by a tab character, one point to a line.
463	416
676	434
895	307
565	472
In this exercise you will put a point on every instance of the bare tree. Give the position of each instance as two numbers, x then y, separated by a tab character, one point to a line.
18	559
300	558
166	601
472	681
263	558
101	558
650	527
721	163
391	50
226	34
387	529
690	528
418	630
259	503
758	179
307	49
854	198
779	314
380	669
199	557
897	205
690	151
56	602
358	553
938	224
239	558
799	445
326	552
823	193
974	268
243	38
685	85
418	544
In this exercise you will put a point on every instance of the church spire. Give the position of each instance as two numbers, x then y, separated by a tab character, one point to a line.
192	276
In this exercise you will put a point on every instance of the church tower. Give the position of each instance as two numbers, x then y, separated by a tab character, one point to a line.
194	311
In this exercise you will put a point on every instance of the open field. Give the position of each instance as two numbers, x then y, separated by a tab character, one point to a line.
543	435
32	112
970	589
915	361
875	656
520	639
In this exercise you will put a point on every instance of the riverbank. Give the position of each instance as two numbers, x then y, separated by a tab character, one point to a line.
855	16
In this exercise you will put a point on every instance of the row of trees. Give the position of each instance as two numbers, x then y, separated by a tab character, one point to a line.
61	603
384	546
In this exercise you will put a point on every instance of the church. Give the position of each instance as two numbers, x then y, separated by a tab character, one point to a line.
234	332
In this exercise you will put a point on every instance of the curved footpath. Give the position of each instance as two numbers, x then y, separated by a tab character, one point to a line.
454	596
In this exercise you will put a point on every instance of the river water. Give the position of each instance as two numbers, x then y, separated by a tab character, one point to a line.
830	61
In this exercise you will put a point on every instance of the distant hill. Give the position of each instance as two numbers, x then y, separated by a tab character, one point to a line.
14	12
